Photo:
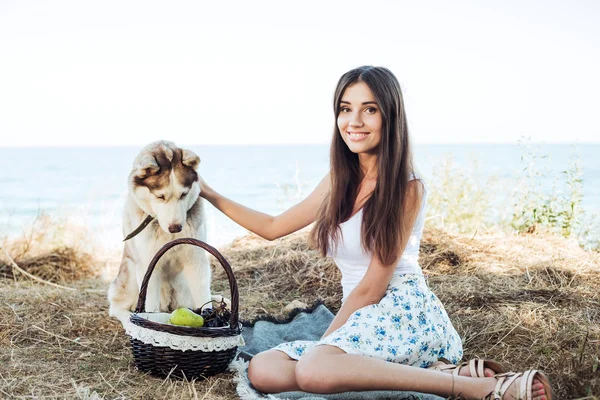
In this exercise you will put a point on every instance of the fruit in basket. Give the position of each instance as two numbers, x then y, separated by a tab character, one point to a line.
186	317
214	318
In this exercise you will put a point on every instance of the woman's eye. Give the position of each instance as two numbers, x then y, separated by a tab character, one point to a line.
182	196
345	109
371	110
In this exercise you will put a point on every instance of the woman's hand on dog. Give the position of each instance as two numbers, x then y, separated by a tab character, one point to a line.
205	190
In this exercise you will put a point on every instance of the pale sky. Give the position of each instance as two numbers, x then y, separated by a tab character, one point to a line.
263	72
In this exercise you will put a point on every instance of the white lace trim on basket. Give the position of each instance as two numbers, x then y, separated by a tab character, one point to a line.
179	342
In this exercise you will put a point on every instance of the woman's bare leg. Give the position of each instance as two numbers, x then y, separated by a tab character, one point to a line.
273	371
327	369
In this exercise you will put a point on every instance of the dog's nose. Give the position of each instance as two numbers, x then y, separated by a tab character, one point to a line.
174	228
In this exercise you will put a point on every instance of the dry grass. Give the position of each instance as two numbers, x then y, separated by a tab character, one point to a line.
60	344
52	250
529	301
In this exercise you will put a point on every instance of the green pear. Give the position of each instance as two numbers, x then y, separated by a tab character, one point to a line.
186	317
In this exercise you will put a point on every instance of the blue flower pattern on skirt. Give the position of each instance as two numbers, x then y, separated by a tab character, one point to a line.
408	326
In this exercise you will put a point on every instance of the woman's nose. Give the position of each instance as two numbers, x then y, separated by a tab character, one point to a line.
355	120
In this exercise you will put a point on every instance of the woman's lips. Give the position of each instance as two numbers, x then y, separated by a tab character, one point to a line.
357	136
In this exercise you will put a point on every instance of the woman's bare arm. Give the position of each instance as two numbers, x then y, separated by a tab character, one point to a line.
268	226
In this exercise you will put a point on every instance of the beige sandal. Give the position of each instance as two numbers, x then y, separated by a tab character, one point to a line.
476	367
505	380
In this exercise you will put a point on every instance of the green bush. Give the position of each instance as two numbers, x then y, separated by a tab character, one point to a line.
458	203
558	211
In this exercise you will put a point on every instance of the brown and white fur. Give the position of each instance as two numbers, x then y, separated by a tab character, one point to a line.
163	183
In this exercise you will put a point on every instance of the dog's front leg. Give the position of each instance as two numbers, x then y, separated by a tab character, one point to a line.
197	279
153	293
123	291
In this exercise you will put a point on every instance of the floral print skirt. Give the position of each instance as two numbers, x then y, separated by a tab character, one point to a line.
408	326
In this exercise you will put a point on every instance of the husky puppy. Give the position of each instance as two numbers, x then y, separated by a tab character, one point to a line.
163	184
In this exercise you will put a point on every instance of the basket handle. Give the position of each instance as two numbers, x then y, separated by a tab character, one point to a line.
141	304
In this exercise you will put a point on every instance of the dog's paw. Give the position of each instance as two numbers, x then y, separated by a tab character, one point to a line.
217	299
122	316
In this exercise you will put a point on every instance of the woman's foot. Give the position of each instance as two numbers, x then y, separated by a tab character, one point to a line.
475	368
528	385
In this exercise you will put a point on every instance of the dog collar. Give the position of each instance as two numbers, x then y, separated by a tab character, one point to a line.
140	228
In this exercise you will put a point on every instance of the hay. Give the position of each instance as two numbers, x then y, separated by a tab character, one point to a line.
270	275
49	253
527	301
61	265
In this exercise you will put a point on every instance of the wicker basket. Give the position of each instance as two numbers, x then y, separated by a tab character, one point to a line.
188	364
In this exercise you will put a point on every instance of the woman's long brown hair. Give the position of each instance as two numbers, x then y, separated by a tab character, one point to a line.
382	212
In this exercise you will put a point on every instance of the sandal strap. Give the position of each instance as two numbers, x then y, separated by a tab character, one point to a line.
446	366
476	366
467	364
480	366
527	382
498	388
507	379
456	371
443	367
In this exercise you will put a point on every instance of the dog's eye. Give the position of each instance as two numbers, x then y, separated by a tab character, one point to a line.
182	195
160	197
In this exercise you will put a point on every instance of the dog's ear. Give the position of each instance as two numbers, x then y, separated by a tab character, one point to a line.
166	151
146	166
190	159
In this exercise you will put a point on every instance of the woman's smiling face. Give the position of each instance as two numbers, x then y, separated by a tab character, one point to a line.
360	120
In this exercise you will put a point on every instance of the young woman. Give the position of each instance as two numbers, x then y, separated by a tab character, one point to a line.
369	214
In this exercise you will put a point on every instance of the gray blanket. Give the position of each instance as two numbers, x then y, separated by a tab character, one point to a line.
308	324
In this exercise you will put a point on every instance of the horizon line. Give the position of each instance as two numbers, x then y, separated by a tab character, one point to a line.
23	146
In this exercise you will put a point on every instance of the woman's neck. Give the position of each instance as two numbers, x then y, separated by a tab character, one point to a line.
368	166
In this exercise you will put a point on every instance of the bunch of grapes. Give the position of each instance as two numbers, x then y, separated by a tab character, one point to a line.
214	318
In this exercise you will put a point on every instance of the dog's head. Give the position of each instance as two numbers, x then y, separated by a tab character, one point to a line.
164	182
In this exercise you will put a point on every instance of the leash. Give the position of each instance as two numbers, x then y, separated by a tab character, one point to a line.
140	228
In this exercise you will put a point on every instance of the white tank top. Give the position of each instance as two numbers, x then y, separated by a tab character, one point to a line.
353	261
